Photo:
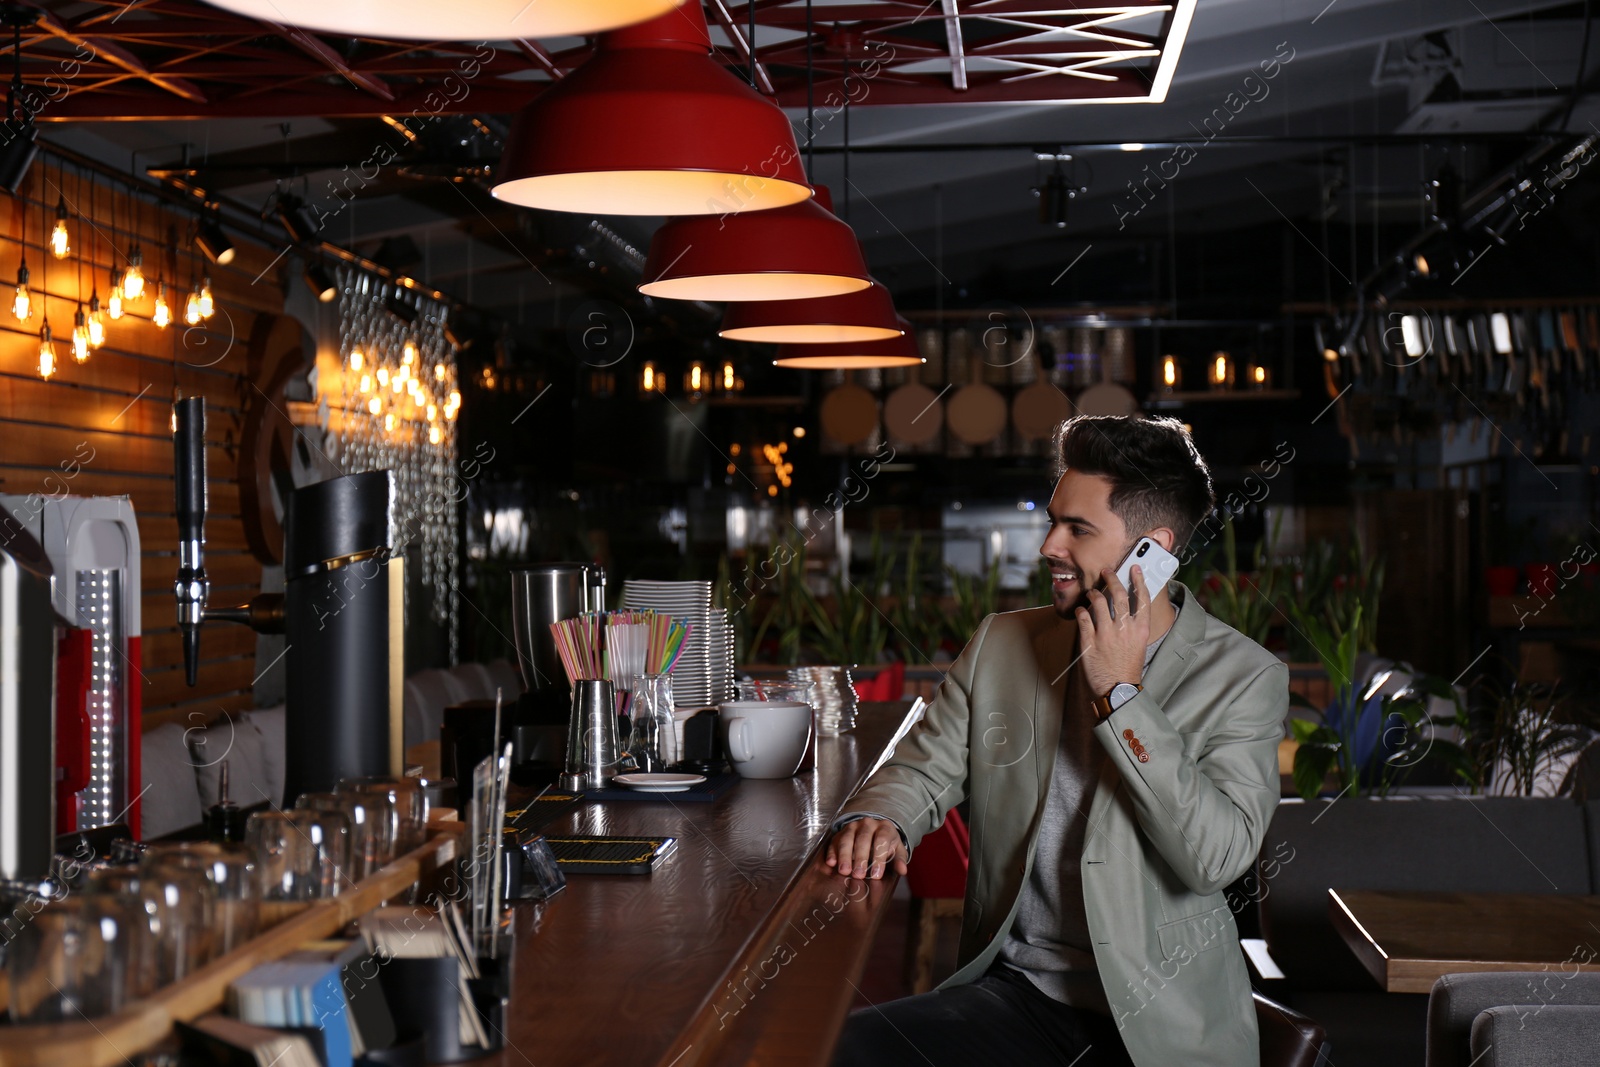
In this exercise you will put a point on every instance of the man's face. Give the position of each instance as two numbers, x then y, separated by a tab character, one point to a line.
1085	538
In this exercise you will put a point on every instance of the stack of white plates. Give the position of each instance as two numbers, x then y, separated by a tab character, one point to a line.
704	672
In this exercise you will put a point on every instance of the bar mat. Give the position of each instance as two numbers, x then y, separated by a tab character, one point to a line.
707	791
610	855
540	812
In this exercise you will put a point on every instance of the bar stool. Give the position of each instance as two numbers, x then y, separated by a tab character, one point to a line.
937	876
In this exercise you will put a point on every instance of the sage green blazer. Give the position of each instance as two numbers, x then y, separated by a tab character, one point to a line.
1166	834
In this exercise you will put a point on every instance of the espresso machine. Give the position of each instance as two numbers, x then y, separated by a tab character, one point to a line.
538	722
341	614
28	624
92	547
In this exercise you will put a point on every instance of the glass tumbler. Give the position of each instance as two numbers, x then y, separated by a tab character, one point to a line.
235	905
409	801
371	828
653	740
177	903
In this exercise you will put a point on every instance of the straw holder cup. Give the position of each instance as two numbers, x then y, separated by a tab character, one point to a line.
591	736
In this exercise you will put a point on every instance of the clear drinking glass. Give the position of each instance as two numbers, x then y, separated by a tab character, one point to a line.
327	837
371	828
653	741
235	905
177	901
409	802
44	965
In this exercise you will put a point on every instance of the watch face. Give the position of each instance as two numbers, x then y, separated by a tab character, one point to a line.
1123	692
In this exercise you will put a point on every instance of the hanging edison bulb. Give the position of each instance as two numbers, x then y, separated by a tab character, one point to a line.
435	435
374	405
80	336
208	304
355	359
366	383
191	308
22	303
439	371
114	301
408	354
97	321
60	240
383	377
47	352
133	277
162	315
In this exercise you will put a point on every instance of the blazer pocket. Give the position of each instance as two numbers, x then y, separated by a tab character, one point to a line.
1185	938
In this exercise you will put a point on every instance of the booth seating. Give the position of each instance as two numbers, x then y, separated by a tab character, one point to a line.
180	767
1514	1019
1460	843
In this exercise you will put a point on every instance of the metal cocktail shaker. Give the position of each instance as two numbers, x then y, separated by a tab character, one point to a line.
543	595
591	736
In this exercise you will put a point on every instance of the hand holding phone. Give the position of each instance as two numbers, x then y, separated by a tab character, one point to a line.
1158	566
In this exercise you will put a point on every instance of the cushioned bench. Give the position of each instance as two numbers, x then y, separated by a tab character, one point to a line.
1460	843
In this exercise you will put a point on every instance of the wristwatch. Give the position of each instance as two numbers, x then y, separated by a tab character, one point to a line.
1120	694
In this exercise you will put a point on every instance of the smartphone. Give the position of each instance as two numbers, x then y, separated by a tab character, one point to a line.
1157	563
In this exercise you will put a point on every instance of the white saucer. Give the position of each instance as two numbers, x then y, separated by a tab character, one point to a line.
659	783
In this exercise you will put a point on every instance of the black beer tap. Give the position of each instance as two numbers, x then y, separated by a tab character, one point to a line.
263	613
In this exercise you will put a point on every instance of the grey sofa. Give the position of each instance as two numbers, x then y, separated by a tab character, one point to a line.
1460	843
1515	1019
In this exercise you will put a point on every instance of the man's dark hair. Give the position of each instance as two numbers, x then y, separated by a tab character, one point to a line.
1157	476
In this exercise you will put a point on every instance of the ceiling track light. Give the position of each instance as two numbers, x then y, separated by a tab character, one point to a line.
296	220
213	242
320	282
19	140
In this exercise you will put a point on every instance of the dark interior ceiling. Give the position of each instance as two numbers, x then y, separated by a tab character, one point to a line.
1309	120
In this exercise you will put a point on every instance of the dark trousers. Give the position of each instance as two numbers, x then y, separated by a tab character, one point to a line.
1000	1018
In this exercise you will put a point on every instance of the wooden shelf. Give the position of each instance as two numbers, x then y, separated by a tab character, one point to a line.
109	1041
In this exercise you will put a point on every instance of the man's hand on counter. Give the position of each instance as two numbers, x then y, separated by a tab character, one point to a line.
863	847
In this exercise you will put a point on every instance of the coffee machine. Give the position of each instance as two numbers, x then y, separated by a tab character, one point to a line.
92	547
341	614
28	623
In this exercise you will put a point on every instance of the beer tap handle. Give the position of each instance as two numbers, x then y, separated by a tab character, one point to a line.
189	469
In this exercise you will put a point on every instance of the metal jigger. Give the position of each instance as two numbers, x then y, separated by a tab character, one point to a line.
591	736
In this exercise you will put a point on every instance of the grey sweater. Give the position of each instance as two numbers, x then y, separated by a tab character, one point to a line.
1049	942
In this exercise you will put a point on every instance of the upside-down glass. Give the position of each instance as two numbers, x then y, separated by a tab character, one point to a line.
79	957
327	836
653	741
235	895
410	804
371	828
178	906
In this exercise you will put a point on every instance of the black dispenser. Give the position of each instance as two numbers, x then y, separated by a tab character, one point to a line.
340	613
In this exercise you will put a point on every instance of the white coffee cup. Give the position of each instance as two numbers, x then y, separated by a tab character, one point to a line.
765	738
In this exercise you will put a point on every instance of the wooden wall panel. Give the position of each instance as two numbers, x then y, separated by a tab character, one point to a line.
103	427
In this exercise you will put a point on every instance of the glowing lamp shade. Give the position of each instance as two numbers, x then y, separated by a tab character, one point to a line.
476	20
652	125
898	351
797	252
864	315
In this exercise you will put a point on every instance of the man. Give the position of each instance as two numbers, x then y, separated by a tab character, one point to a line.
1119	751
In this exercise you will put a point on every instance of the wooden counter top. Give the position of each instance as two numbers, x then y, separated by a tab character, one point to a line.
740	947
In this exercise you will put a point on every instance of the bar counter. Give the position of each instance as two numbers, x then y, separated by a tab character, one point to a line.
741	947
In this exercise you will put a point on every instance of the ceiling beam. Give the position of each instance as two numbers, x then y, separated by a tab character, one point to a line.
315	48
114	54
952	37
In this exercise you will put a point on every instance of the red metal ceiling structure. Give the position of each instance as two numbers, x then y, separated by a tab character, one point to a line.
171	59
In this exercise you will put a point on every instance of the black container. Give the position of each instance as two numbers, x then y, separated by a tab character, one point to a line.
338	535
423	998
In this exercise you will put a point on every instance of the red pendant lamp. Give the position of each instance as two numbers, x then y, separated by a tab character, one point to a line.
864	315
652	125
429	20
789	253
900	351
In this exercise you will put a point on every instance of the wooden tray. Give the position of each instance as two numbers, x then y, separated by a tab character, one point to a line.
112	1039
